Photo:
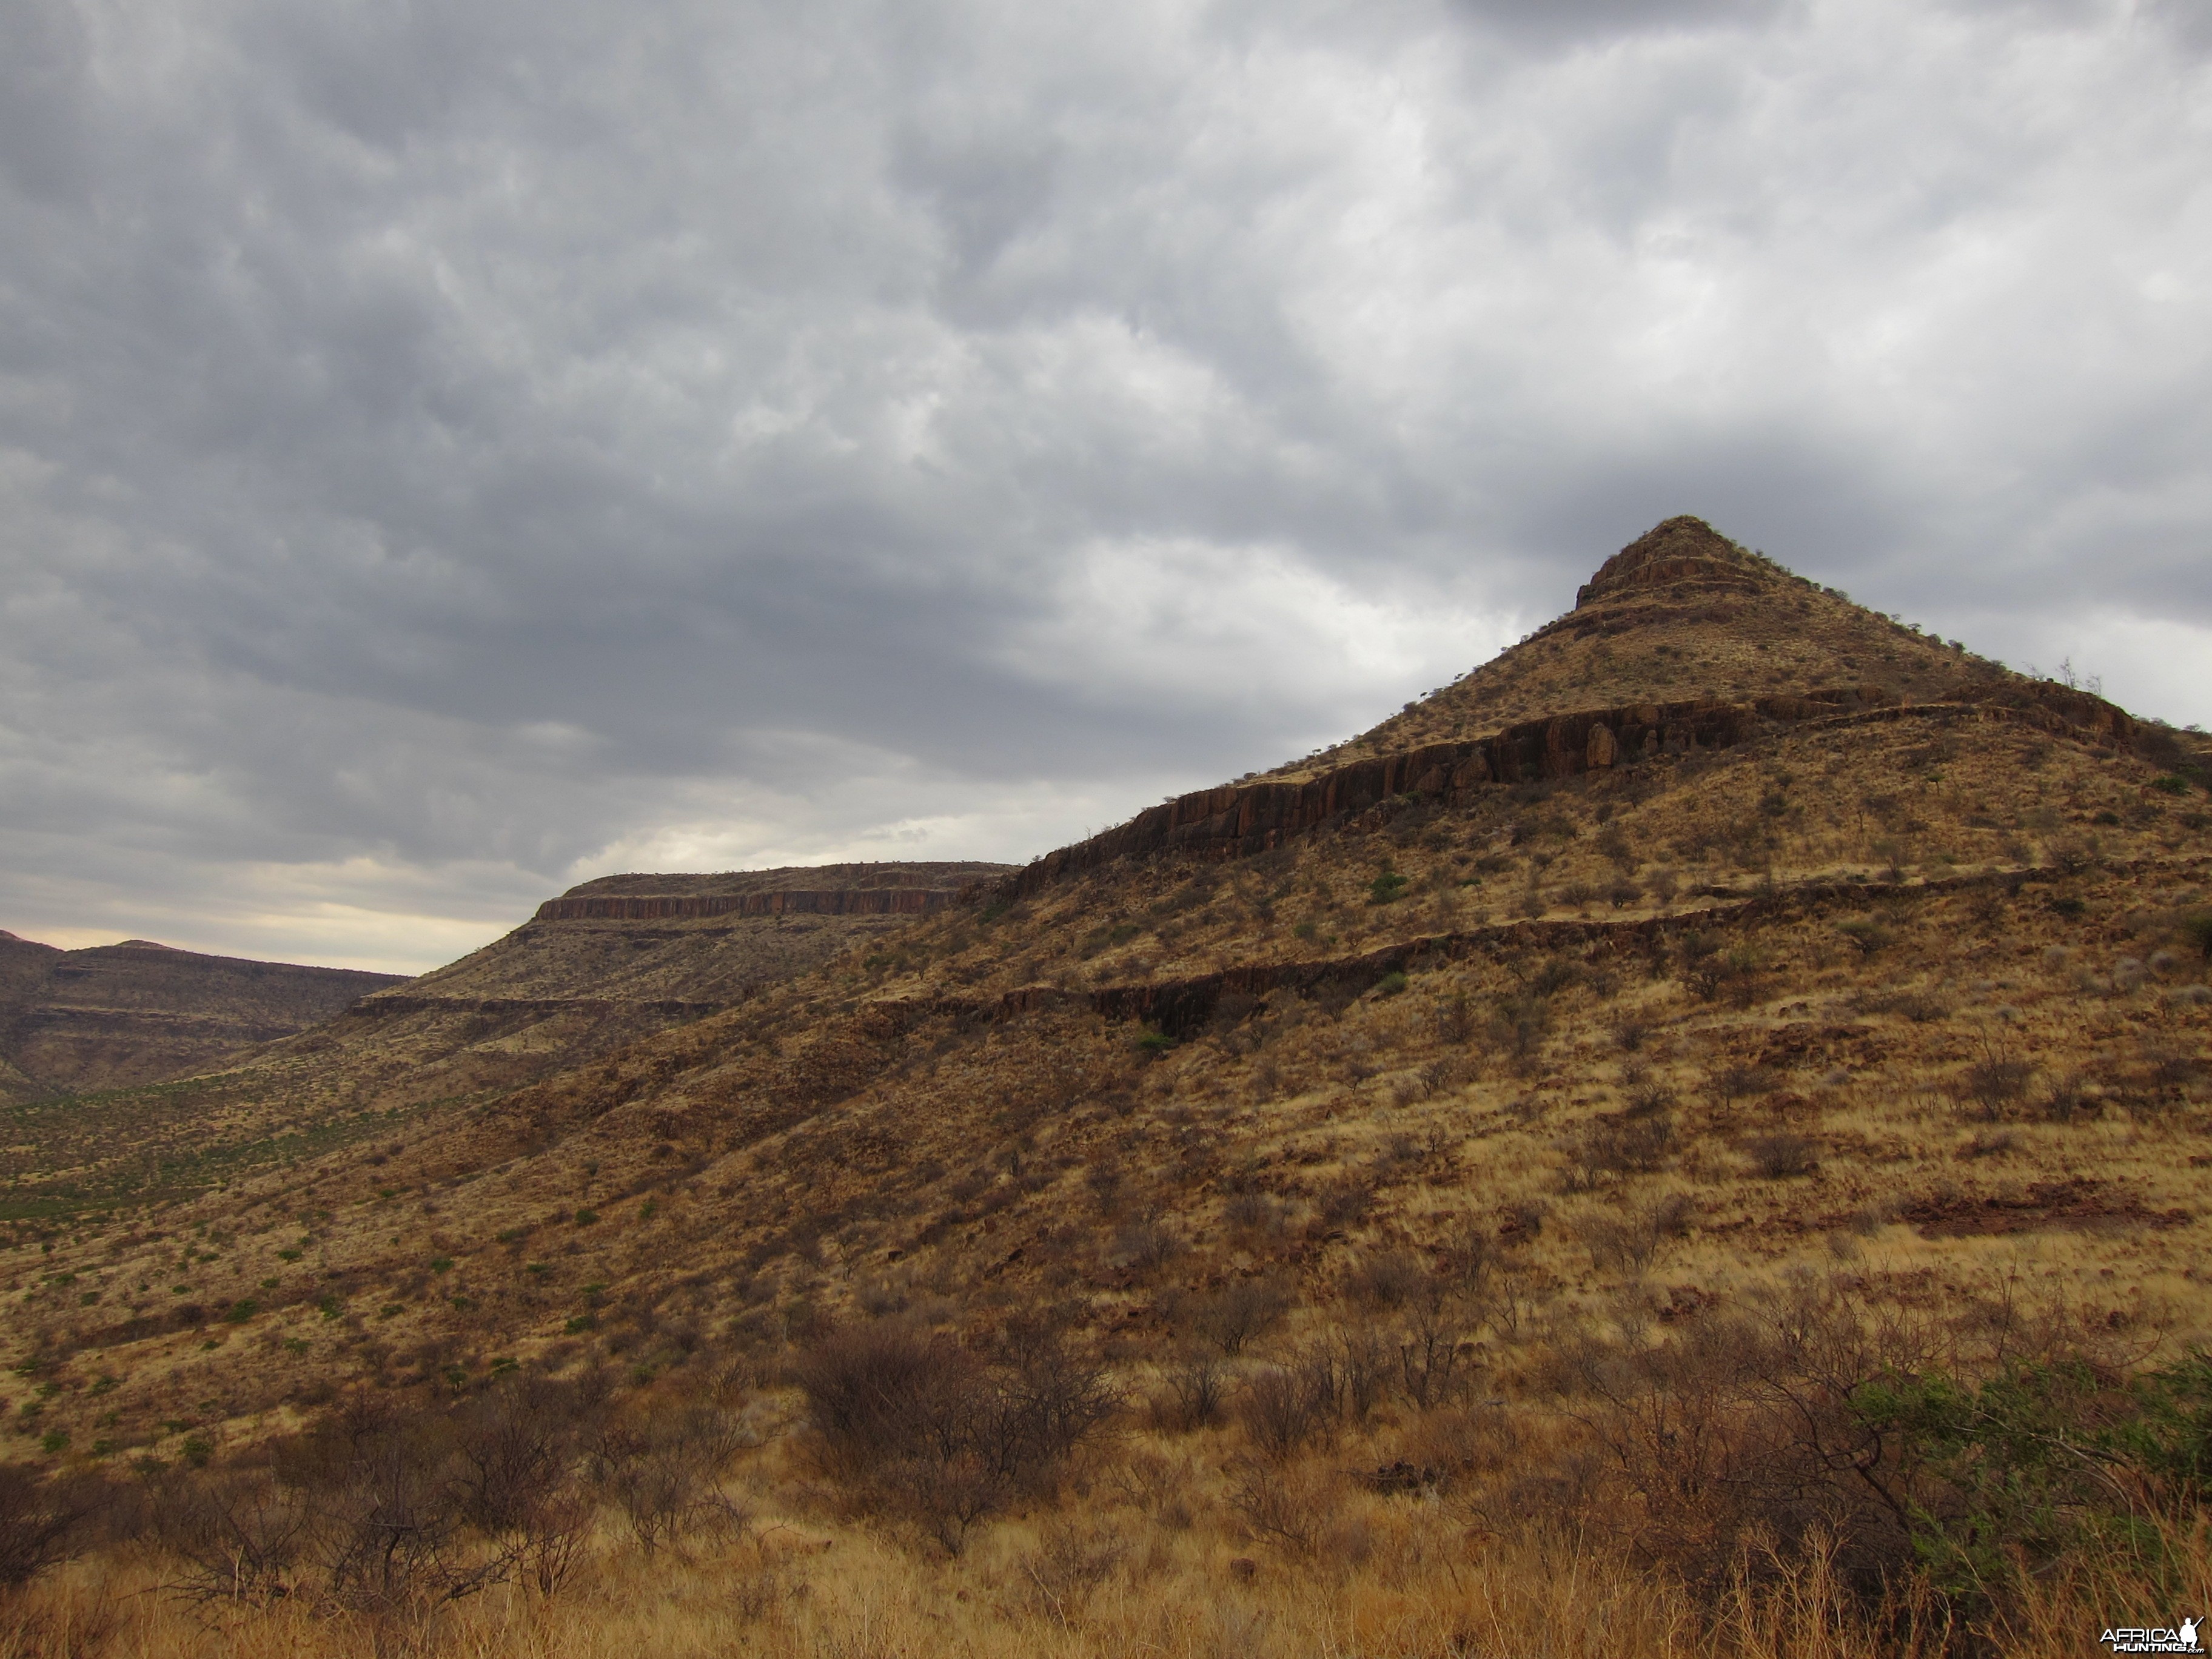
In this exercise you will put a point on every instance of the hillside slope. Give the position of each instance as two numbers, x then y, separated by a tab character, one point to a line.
1644	998
112	1015
605	964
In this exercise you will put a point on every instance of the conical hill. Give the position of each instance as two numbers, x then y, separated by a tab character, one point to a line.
1681	612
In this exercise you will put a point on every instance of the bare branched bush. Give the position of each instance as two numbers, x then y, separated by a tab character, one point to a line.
1195	1391
1143	1247
366	1512
1630	1143
1733	1083
515	1447
1284	1406
1434	1356
240	1538
1238	1313
914	1424
665	1476
1742	1426
1384	1279
1519	1025
43	1522
1071	1560
1781	1156
1627	1240
1995	1083
1284	1507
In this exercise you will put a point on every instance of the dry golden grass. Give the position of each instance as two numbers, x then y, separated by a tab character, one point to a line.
851	1595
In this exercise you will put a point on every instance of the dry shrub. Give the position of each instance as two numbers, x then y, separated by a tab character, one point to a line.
1284	1406
1072	1558
1252	1213
1291	1507
1626	1241
1337	1378
1995	1083
1637	1142
43	1522
1143	1247
1434	1354
368	1511
1519	1025
664	1475
240	1538
1448	1073
1159	1486
1238	1313
1781	1156
1733	1083
1383	1279
1740	1427
912	1424
1960	1444
1730	976
1196	1389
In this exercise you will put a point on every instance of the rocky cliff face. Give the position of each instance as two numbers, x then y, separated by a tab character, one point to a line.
804	901
1236	820
697	939
116	1016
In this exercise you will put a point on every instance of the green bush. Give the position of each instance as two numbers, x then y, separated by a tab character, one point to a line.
1864	931
1386	888
1390	984
2040	1461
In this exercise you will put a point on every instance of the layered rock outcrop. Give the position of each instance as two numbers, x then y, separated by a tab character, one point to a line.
811	901
690	942
1681	552
1237	820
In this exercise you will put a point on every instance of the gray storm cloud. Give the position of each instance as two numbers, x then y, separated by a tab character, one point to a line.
446	452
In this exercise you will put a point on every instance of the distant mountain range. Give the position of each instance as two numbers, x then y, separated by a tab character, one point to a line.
112	1015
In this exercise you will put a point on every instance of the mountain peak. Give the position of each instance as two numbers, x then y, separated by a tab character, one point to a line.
1676	552
1680	613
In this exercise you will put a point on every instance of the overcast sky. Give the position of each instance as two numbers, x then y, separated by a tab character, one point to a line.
451	450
